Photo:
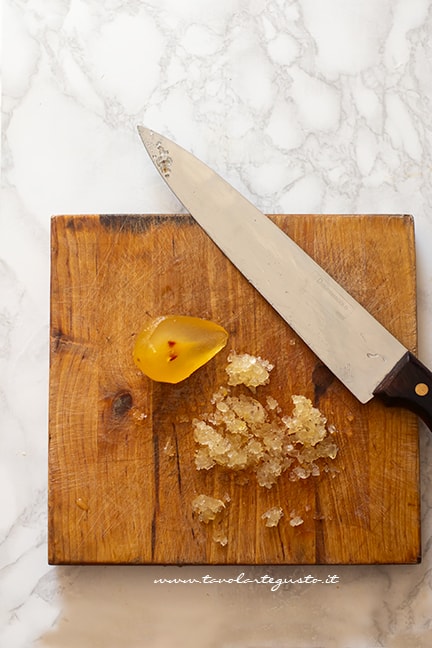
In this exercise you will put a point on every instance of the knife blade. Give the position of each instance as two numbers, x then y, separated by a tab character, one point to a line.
358	350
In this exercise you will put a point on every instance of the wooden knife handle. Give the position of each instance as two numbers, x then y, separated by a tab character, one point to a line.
409	385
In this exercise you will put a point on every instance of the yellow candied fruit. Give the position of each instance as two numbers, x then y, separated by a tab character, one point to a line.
172	347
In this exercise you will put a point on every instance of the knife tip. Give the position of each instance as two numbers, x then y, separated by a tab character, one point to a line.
143	132
149	137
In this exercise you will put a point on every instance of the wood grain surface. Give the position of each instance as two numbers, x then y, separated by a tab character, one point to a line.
121	449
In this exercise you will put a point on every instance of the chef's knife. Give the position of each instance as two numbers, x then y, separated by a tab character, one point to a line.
367	359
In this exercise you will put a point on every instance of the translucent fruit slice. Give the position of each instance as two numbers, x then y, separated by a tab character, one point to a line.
172	347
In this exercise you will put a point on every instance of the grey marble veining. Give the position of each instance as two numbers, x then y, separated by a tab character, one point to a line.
303	105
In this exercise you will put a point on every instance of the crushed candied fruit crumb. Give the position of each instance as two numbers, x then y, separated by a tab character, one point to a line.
295	519
272	516
207	508
221	537
249	370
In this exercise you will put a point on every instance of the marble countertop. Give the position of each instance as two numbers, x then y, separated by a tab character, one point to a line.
319	106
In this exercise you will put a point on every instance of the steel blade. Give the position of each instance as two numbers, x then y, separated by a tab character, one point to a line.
347	339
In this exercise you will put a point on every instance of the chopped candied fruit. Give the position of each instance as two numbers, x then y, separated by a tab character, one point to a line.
207	508
249	370
172	347
272	516
221	537
242	433
295	520
306	422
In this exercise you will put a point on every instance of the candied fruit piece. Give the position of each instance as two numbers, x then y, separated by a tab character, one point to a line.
296	519
272	516
307	422
220	537
245	369
172	347
207	508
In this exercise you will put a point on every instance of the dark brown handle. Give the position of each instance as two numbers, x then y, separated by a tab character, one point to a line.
409	385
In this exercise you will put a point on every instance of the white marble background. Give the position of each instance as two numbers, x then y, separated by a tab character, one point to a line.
305	106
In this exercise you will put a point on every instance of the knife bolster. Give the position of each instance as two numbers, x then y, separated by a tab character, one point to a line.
408	385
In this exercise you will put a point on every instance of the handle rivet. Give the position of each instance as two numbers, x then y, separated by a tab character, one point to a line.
421	389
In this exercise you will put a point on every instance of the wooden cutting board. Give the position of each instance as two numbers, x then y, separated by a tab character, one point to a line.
121	451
